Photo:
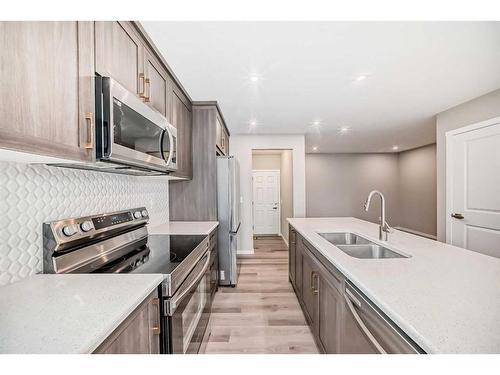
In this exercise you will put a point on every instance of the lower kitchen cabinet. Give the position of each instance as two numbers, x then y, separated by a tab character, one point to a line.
342	319
291	254
321	301
214	263
329	310
139	333
309	289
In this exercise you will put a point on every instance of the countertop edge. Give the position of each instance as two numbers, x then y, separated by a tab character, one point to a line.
147	291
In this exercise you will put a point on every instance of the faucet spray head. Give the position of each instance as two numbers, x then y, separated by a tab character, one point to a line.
366	205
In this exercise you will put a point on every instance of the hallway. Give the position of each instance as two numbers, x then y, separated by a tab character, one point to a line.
262	314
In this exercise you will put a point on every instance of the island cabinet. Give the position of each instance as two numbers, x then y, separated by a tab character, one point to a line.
341	318
47	90
321	301
139	333
292	245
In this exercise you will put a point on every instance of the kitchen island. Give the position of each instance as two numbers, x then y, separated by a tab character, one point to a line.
444	298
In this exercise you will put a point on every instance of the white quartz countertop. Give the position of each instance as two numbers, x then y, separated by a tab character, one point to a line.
68	313
447	299
183	227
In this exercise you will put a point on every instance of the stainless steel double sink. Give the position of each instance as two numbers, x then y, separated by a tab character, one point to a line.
360	247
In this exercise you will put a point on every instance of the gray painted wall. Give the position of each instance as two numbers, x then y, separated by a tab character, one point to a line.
483	108
338	184
266	161
417	189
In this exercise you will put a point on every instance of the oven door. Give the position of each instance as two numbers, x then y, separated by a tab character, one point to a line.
132	133
187	312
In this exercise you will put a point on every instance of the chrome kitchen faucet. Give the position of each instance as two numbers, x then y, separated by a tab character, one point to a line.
384	228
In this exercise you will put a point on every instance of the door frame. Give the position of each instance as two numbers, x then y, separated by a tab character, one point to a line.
449	175
279	199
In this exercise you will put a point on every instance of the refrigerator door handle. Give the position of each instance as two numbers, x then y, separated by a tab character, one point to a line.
237	229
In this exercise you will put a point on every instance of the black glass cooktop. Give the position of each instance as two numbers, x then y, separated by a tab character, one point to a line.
167	252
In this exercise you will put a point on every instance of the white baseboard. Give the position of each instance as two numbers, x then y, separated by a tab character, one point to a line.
284	240
245	252
416	232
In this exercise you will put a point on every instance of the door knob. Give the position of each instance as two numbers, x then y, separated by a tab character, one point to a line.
457	216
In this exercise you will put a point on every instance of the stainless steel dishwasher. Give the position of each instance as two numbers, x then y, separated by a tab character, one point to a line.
367	330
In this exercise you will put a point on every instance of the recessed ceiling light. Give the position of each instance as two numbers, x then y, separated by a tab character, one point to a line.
316	123
253	122
254	78
361	77
344	129
395	148
315	148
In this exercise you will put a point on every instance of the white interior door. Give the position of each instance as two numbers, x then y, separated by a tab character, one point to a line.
266	202
473	165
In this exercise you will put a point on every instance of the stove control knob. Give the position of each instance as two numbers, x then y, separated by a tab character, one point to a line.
144	213
70	230
137	214
86	226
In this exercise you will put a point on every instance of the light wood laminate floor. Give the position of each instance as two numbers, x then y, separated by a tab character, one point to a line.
261	314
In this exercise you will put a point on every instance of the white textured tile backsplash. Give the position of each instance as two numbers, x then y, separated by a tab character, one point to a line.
32	194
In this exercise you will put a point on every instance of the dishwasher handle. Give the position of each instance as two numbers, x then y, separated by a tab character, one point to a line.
351	300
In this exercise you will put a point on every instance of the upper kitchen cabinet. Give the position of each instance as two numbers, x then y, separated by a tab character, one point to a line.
47	90
158	85
182	120
197	199
119	53
222	136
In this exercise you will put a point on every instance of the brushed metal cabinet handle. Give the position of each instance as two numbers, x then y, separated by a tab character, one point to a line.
142	85
147	90
156	328
457	216
89	118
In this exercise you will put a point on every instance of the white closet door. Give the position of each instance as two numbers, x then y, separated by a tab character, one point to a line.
266	202
473	159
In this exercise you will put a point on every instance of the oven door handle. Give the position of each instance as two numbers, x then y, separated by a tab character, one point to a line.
172	303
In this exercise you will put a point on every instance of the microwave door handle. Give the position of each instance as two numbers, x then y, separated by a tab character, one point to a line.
171	141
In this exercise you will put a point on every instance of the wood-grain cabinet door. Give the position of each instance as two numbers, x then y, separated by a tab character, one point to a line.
157	84
291	254
182	120
310	289
298	266
219	135
138	334
119	53
47	95
329	310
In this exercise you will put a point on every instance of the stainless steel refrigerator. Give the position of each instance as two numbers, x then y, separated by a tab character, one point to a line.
228	212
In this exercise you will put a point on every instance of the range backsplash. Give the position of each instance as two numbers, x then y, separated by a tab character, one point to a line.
32	194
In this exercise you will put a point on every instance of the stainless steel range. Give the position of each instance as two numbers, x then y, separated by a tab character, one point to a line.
118	242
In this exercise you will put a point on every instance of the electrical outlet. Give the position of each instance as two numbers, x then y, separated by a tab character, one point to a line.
222	275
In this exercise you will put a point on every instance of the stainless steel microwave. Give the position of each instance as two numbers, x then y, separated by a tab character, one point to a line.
130	134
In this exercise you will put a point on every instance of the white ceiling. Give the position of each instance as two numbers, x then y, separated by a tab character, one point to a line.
307	72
